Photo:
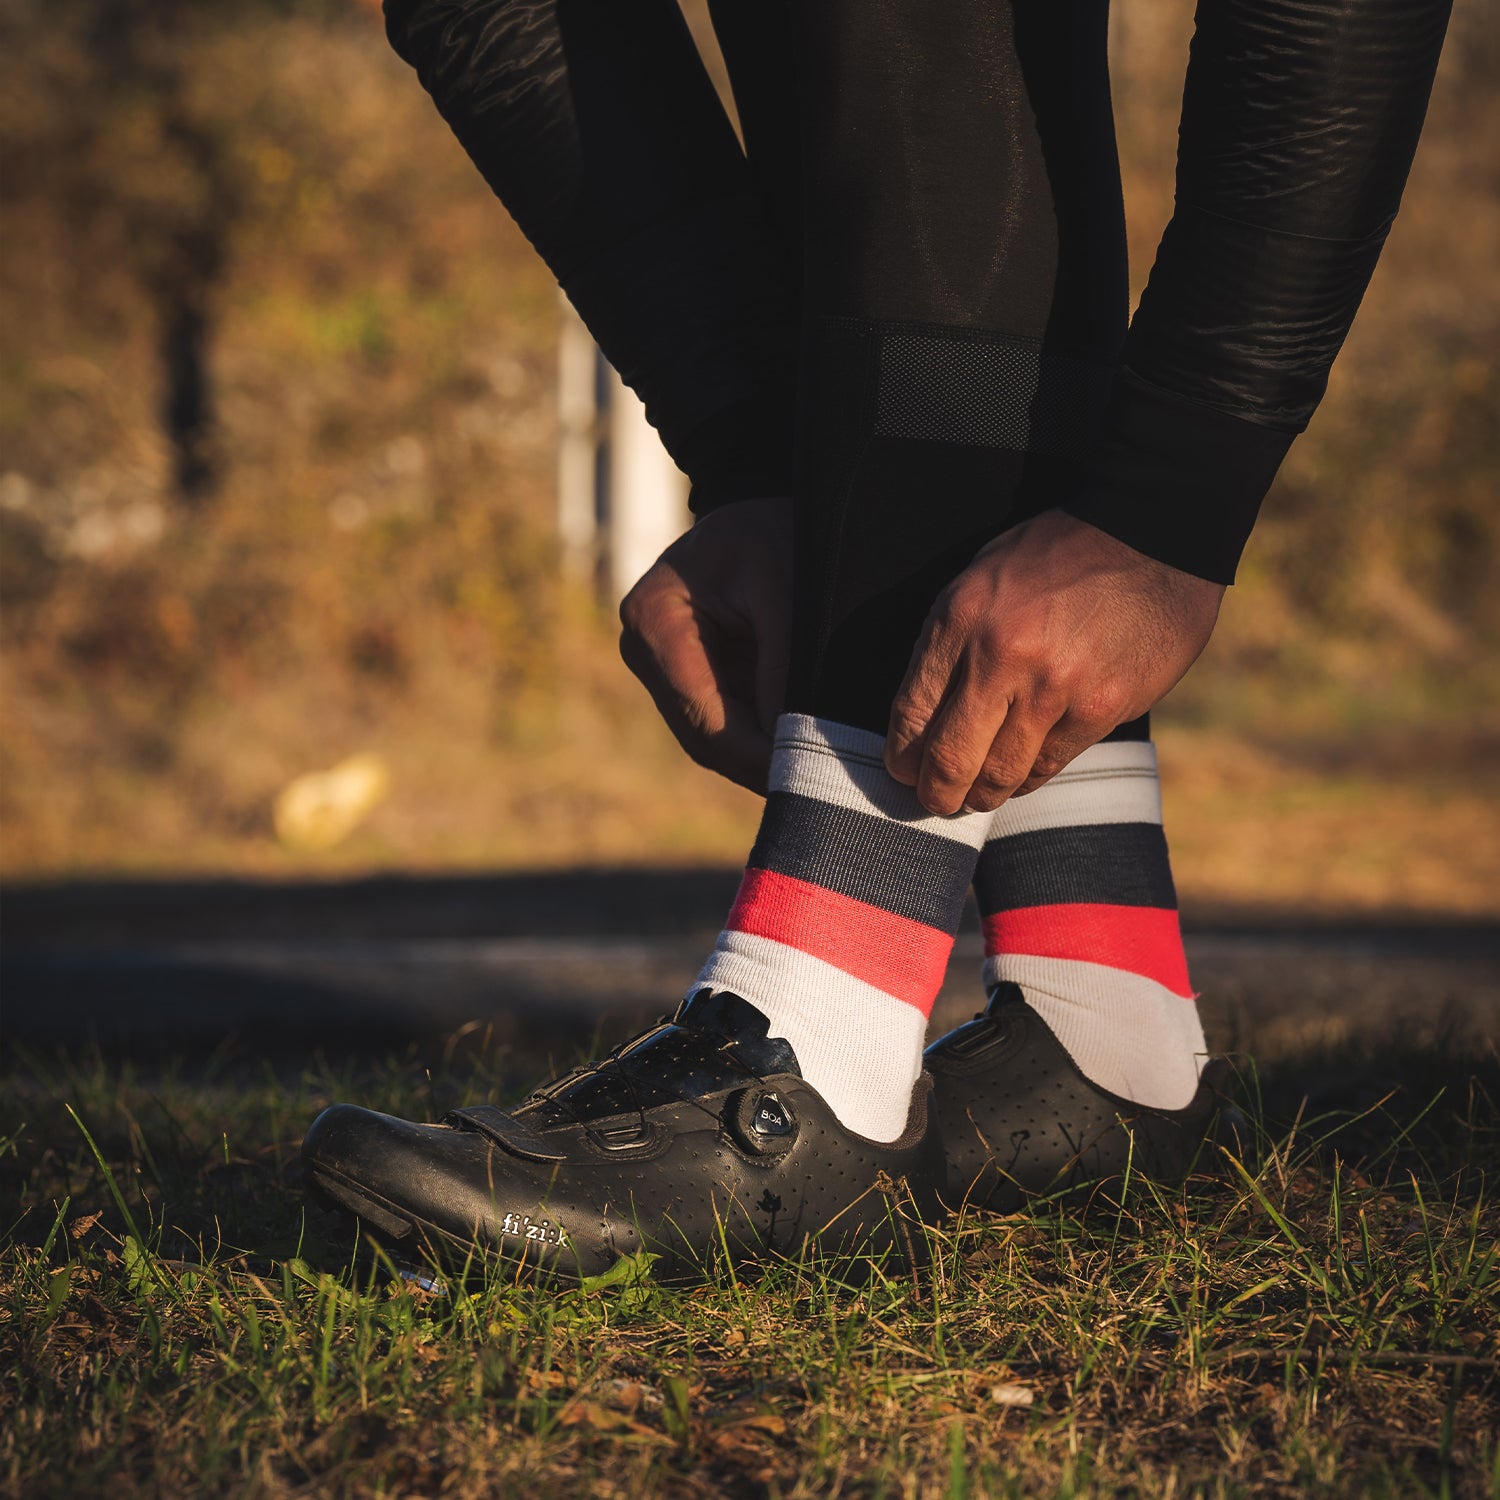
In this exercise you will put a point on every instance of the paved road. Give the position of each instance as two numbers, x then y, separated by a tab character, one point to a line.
137	965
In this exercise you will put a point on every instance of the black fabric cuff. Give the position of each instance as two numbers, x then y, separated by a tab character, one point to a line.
1181	482
741	453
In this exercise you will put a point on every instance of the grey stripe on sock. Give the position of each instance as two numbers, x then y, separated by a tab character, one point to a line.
1113	864
891	865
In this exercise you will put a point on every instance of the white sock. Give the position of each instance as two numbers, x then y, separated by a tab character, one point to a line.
1079	909
845	918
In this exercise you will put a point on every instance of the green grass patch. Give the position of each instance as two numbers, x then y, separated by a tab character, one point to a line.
1317	1313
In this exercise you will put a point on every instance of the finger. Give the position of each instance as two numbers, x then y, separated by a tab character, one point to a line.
1011	759
923	690
957	740
721	735
744	756
665	648
740	752
1064	742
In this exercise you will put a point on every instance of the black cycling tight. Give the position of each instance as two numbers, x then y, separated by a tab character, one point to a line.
905	300
928	226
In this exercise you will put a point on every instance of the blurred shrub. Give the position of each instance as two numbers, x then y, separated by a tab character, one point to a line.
276	421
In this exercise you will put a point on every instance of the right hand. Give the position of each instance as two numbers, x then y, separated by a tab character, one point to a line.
708	631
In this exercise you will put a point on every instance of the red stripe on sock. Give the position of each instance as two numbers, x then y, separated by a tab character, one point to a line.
1143	939
904	958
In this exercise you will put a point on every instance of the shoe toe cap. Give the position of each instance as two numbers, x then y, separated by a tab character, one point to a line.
401	1175
409	1179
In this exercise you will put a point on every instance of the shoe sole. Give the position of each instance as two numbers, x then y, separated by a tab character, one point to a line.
398	1227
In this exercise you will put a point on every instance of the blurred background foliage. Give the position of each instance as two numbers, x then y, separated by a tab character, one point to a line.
276	467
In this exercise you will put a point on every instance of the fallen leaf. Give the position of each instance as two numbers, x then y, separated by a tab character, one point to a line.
599	1418
767	1422
1012	1395
623	1395
320	809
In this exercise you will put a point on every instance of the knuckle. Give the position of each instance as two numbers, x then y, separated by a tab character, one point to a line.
634	607
961	613
1049	761
1039	775
1031	784
647	592
1032	780
959	610
1039	669
1049	693
998	779
946	766
1103	707
906	723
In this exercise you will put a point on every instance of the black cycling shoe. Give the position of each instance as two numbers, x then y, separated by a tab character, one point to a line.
1019	1119
697	1137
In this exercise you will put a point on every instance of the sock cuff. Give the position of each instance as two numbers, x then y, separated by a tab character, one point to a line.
827	736
1113	782
825	761
1115	755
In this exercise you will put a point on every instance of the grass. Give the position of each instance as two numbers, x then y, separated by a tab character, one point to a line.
1317	1314
375	573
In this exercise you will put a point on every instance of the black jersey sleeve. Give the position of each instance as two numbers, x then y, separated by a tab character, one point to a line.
596	125
1299	123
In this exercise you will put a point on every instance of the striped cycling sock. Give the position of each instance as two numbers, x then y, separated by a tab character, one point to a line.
845	918
1079	910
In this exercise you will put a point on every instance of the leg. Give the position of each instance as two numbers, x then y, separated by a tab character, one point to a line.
756	38
966	298
964	302
1075	889
596	125
957	334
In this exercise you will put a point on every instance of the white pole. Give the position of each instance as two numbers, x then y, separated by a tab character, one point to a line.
578	435
647	492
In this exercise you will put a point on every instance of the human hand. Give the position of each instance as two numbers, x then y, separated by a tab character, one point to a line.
707	630
1055	634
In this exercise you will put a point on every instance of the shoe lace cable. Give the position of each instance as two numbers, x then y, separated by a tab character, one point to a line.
614	1060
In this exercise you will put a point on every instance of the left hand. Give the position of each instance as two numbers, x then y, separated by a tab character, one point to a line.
707	630
1055	634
